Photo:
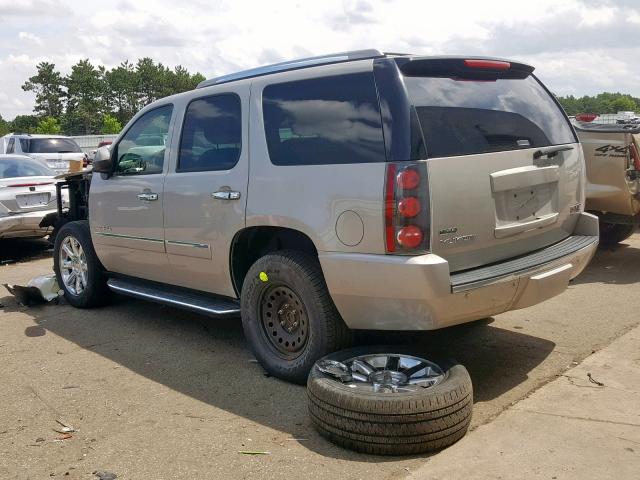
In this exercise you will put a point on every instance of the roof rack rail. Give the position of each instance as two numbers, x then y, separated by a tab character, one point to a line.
294	65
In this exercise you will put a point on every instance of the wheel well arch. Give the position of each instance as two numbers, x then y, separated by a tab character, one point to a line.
251	243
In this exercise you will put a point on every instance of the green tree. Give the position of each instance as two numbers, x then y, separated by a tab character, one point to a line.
79	100
24	124
625	103
49	125
122	94
85	89
110	124
152	81
47	85
4	126
605	102
180	80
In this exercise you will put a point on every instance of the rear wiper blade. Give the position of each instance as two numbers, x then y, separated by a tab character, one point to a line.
551	151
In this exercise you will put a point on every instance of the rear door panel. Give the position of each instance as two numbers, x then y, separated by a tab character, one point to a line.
199	228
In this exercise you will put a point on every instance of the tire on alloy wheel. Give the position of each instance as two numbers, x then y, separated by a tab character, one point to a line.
613	233
79	272
288	316
376	400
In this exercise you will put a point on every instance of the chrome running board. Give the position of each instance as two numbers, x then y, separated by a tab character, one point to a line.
200	302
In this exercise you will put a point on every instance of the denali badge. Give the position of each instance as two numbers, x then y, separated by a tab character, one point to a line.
445	231
456	240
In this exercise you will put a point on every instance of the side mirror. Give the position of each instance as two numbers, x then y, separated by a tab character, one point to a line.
102	161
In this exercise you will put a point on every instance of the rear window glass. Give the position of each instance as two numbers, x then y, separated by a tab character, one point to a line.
465	117
211	135
51	145
14	168
326	120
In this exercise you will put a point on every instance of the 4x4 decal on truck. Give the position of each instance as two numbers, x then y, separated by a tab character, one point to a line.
612	151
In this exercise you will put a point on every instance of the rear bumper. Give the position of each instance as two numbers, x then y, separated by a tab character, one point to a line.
24	225
388	292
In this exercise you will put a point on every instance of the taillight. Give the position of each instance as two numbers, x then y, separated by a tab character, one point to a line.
409	236
408	179
586	117
487	64
409	207
29	184
635	156
406	210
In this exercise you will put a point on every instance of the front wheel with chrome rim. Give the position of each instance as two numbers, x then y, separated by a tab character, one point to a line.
389	400
78	270
73	265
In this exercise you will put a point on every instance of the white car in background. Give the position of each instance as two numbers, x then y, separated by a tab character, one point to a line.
55	151
27	194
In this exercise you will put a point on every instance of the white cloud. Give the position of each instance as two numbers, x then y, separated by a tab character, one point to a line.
577	46
30	38
32	8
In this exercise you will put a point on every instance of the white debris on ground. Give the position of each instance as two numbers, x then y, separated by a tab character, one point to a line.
40	289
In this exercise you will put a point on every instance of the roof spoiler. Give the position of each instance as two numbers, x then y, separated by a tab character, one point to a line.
462	67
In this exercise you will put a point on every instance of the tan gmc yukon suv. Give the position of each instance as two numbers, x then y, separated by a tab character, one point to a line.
351	191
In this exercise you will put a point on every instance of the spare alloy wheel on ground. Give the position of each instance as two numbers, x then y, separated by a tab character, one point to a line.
378	401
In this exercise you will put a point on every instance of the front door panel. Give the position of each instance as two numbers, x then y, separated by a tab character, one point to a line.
126	208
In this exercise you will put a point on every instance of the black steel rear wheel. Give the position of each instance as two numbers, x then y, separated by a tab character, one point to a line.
288	316
284	320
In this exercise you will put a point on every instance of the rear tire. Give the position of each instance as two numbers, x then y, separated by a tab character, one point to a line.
288	316
613	233
73	257
386	423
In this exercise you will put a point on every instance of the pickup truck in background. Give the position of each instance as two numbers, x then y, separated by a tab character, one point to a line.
612	156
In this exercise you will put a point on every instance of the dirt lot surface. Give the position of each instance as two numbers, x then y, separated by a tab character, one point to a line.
155	392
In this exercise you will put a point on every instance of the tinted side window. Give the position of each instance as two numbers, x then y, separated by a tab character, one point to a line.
141	150
11	145
211	134
24	145
324	120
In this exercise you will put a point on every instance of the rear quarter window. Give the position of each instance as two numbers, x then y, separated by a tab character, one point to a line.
327	120
465	117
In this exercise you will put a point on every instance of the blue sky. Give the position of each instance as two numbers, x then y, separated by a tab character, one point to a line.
577	46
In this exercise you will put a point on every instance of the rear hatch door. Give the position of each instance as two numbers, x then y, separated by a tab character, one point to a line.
55	152
505	169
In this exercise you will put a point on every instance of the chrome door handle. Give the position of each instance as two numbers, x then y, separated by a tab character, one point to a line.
226	195
149	197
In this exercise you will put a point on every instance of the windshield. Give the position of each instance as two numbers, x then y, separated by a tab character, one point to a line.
52	145
467	116
23	167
